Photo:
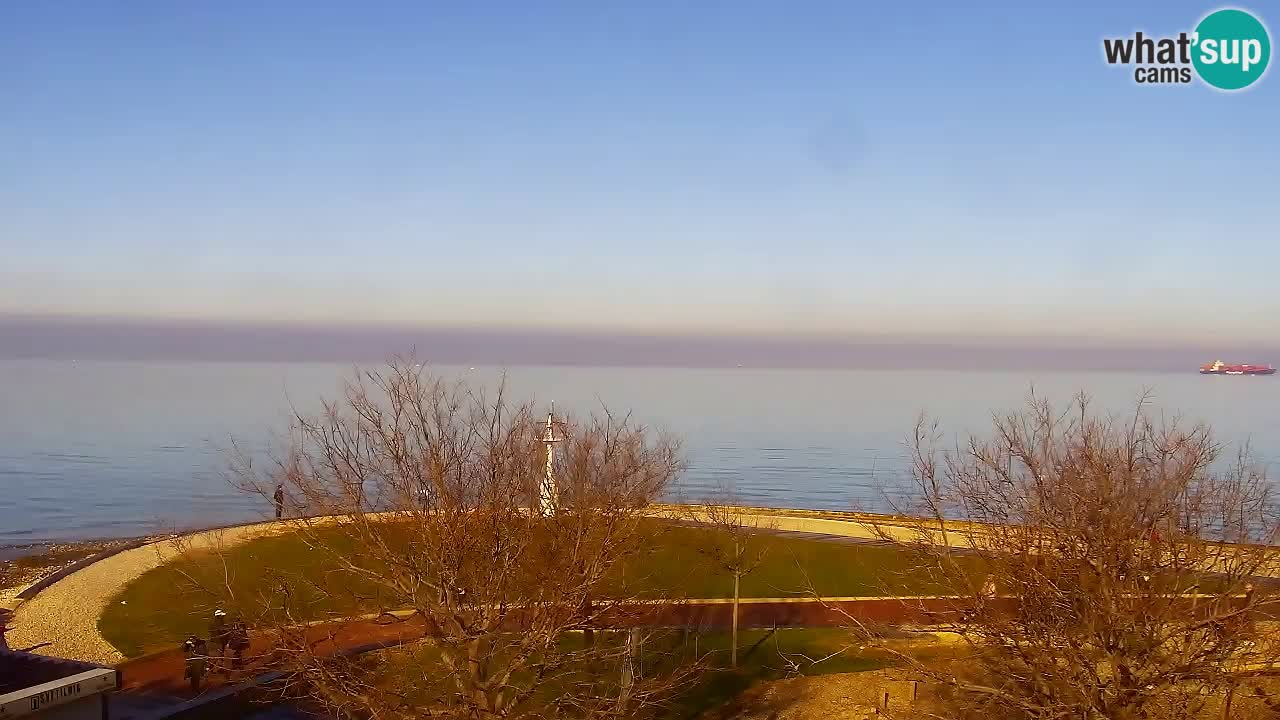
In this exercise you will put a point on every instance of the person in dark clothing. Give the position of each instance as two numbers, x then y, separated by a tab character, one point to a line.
239	637
196	652
220	632
279	498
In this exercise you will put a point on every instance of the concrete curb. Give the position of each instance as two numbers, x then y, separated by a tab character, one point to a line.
224	694
234	693
34	588
822	520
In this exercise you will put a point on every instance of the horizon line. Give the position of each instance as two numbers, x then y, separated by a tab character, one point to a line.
38	336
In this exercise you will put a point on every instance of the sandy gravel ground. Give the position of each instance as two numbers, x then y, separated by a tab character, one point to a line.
22	566
65	614
846	696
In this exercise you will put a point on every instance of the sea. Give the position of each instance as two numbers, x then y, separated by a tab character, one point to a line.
96	449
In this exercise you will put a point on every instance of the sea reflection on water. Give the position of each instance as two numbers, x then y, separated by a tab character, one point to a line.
102	449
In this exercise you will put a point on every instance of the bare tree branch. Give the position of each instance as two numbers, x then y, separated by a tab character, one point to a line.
1093	569
422	495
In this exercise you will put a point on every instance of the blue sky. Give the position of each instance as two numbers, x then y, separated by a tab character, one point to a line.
947	171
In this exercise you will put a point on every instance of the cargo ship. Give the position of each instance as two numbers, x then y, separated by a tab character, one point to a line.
1221	368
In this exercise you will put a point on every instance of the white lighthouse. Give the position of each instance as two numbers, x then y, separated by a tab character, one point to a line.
549	493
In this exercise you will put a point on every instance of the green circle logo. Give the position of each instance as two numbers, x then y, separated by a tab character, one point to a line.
1232	49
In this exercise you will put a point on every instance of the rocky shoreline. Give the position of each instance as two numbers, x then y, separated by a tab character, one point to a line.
22	565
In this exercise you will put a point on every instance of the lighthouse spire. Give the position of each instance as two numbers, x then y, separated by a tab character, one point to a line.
549	493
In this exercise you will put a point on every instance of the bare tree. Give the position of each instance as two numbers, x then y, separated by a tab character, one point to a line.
428	498
740	546
1096	567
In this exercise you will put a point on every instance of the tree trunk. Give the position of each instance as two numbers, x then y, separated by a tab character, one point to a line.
733	632
478	679
628	670
588	633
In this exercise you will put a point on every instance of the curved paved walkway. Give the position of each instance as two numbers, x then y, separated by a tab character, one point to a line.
65	614
821	523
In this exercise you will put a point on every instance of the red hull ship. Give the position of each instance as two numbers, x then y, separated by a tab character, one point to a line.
1221	368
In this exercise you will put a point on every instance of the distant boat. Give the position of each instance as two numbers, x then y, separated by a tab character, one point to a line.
1220	368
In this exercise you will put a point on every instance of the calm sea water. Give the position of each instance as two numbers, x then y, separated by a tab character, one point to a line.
103	449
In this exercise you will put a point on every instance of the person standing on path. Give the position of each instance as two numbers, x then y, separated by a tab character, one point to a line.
220	633
279	498
195	651
239	638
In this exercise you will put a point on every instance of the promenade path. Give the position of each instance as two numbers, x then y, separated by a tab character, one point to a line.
159	677
162	674
65	614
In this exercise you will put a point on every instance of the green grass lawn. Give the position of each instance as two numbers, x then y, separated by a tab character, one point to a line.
790	566
411	673
765	655
173	601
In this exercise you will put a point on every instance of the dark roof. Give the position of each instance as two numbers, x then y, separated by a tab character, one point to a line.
20	670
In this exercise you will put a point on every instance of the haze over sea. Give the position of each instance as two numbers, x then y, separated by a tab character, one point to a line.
94	449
